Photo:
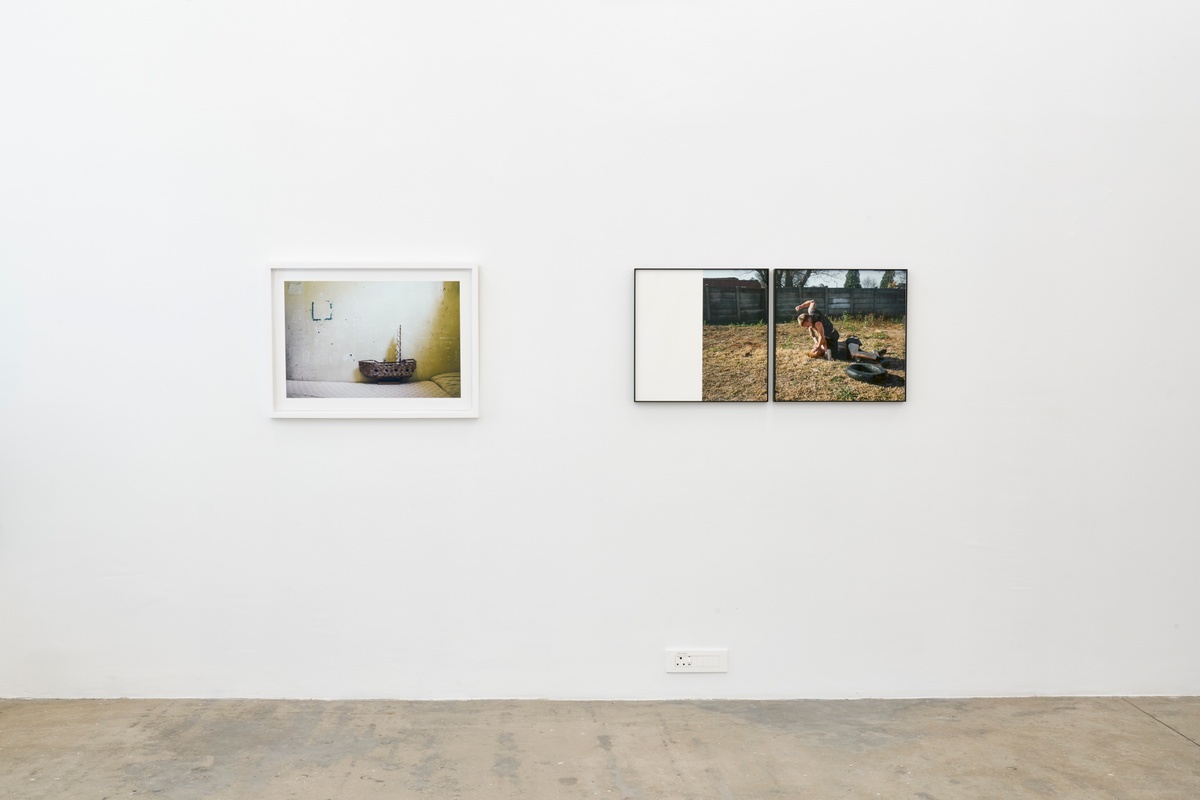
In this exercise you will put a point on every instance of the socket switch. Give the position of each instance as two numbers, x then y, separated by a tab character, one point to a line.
697	661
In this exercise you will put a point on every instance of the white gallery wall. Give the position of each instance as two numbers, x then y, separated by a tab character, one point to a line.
1024	524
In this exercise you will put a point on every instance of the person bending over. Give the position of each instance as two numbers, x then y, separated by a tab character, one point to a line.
825	336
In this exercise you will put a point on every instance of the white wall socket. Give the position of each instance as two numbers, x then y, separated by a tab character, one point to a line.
697	661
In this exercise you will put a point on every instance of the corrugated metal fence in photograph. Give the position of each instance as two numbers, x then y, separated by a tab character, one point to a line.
835	301
729	301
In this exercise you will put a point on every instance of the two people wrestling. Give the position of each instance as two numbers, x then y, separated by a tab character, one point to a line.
825	337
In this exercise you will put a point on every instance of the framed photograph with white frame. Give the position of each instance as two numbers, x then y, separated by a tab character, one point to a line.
374	340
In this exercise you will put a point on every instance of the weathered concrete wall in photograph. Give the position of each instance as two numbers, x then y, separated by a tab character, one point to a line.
331	325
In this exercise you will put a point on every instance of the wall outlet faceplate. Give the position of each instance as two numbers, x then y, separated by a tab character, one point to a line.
697	661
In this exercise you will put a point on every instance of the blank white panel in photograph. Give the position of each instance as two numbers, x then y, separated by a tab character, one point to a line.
668	334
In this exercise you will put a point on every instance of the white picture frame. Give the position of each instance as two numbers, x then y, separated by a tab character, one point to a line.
374	340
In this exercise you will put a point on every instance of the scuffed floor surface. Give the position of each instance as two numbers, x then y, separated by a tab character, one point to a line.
336	389
925	749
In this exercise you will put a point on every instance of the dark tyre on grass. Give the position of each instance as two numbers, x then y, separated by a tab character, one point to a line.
869	373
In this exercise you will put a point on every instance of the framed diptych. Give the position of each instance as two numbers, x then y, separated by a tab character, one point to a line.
793	335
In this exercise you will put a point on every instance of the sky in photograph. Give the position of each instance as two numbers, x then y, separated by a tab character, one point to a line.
833	277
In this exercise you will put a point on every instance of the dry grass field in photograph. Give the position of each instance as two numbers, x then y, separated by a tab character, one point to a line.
798	377
735	362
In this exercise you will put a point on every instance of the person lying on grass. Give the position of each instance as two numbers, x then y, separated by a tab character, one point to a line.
825	336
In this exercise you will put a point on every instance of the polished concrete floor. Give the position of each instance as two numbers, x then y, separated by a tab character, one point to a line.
923	749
